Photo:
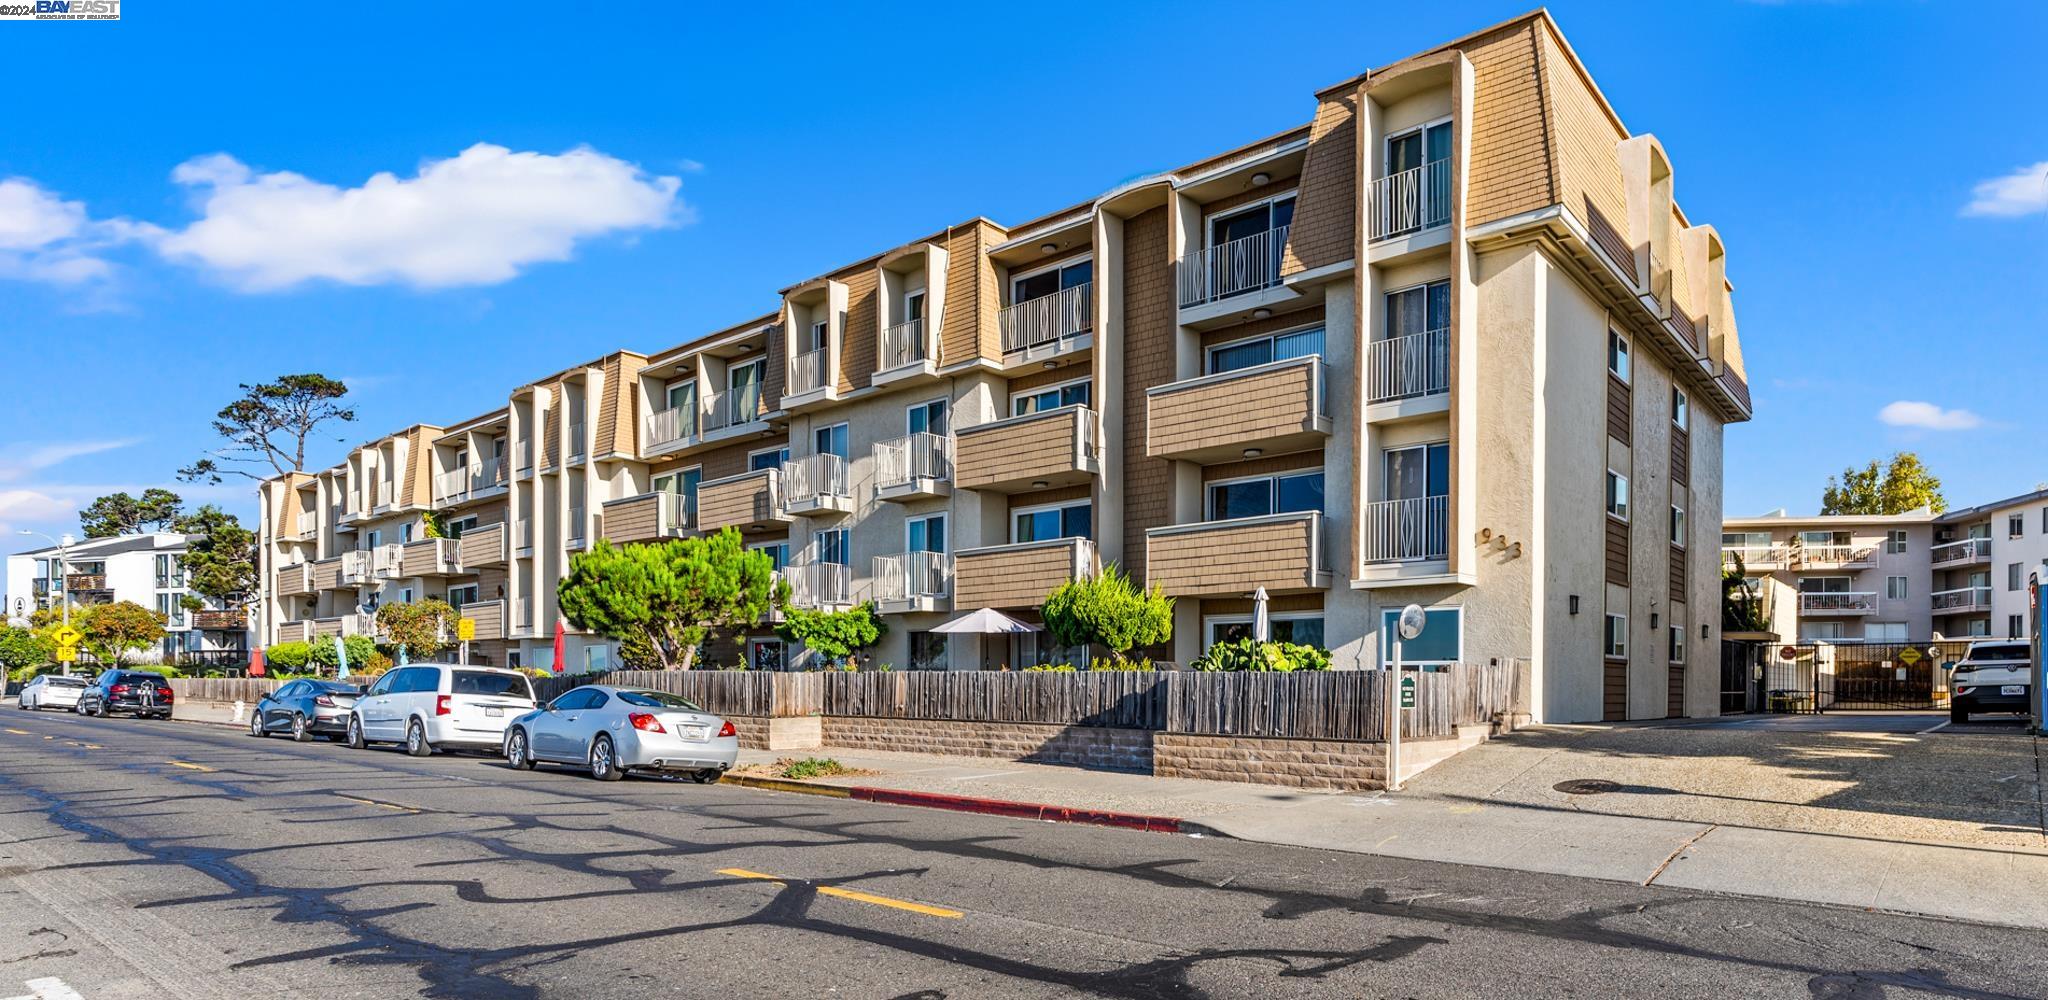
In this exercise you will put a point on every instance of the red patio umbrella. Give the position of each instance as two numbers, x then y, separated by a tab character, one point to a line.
561	646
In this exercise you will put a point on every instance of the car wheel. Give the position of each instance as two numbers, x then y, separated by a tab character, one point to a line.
1957	716
515	751
256	725
299	733
416	740
707	776
355	734
604	761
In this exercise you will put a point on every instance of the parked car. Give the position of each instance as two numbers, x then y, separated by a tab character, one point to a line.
433	706
146	695
1993	676
51	691
305	708
614	731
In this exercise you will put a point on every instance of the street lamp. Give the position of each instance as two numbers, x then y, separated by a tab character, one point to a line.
63	545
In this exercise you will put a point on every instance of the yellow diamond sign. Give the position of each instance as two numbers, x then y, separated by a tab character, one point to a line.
1909	656
67	635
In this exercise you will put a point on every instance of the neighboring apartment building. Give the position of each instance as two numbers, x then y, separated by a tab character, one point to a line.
147	569
1905	577
1451	342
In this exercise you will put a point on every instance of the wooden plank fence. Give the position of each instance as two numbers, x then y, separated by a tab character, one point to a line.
1107	699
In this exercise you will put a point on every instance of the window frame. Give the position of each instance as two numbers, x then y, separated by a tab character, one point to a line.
1209	353
1210	219
783	460
1054	387
945	403
1059	265
1904	588
1272	480
1625	354
2015	577
1681	409
1674	647
817	546
1679	527
1609	503
945	535
914	295
1613	638
1422	129
831	430
2016	526
1058	506
1896	541
1209	623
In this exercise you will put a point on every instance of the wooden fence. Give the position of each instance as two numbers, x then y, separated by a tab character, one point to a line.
249	689
759	694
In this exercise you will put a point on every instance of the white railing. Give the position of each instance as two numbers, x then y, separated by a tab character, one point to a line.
522	614
1406	530
490	473
1967	550
1831	554
1837	602
1245	264
1089	433
577	446
1962	599
908	576
1411	201
355	566
1407	367
807	371
1048	318
903	344
577	525
357	623
522	533
309	523
388	559
819	585
913	457
526	454
1755	555
731	407
814	476
451	485
668	426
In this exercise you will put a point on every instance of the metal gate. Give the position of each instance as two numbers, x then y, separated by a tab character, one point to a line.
1824	677
1742	676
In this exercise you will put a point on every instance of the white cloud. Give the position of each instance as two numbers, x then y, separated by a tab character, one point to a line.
44	238
2022	192
1927	416
19	463
476	219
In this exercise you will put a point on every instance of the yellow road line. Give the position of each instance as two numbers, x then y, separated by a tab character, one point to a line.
381	805
856	896
190	767
21	732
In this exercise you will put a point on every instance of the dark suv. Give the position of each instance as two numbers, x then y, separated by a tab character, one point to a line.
146	695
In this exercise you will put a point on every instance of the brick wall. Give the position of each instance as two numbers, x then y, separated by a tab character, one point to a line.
1330	764
1083	746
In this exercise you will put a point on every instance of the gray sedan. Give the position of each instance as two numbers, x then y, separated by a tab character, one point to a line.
613	730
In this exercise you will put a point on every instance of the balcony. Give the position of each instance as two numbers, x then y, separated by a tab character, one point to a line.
1968	552
1048	326
1832	556
482	546
431	557
295	631
1416	529
387	562
326	573
816	484
1837	603
669	430
751	501
308	524
820	585
345	625
1279	407
647	517
1224	283
914	467
1412	366
1755	557
734	409
913	581
1058	447
340	518
1410	202
906	352
220	620
1962	600
295	580
522	617
522	536
1283	553
579	442
463	483
75	582
579	528
489	617
811	379
1019	575
356	568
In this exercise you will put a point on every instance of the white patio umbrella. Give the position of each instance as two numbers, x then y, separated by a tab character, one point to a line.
1262	624
987	621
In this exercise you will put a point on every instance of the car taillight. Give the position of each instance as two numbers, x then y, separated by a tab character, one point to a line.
727	729
118	689
324	701
645	723
441	705
164	694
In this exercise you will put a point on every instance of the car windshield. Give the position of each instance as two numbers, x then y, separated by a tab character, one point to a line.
657	699
489	682
2001	652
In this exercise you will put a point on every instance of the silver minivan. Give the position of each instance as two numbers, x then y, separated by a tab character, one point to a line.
432	706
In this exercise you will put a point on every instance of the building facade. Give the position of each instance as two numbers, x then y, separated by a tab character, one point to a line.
146	569
1449	342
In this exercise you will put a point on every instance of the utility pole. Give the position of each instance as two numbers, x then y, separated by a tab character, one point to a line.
63	568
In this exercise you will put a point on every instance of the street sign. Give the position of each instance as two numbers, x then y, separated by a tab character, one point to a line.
67	654
1789	653
67	635
1407	692
1909	656
465	629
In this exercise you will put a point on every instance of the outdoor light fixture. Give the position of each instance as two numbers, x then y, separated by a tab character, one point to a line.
1653	619
1254	452
1039	484
1261	179
1575	604
1262	313
1049	365
1048	247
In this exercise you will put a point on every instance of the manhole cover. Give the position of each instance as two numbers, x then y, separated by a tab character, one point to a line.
1587	786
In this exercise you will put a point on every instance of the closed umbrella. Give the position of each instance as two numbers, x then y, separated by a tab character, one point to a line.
1262	624
561	645
341	656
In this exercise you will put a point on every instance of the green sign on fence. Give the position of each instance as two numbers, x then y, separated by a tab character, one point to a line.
1407	692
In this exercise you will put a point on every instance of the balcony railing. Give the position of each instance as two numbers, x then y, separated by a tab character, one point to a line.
1049	318
1245	264
522	615
1755	556
913	576
1411	201
1407	530
731	408
1962	599
678	423
85	581
355	567
1831	554
1969	550
577	446
819	585
388	561
522	533
220	619
1837	603
906	460
1408	367
814	479
578	529
807	371
451	485
903	344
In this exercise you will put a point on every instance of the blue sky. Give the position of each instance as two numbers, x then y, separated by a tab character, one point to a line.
179	222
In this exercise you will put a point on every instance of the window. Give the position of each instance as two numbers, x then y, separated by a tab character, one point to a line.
833	546
1051	280
681	393
2044	520
928	651
1418	472
1894	542
376	538
2015	576
1824	585
1306	629
1977	626
2015	626
1051	397
2015	525
927	418
684	484
913	306
925	534
1823	631
772	458
1041	524
1420	309
405	595
459	596
1678	526
458	526
1442	640
1261	350
1681	407
1617	494
814	338
1614	645
1275	214
766	654
777	551
596	659
1884	632
405	532
1261	495
832	440
1677	644
1895	588
1617	355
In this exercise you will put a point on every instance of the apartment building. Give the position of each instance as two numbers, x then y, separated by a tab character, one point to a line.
146	569
1450	341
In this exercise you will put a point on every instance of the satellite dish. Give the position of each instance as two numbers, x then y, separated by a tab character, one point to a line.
1412	620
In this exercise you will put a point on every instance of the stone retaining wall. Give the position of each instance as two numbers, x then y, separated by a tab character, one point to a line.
1081	746
1327	764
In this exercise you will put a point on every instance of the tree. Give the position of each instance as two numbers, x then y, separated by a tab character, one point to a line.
1902	485
1742	609
220	557
421	628
326	652
112	631
121	514
270	425
671	595
1108	610
834	635
22	648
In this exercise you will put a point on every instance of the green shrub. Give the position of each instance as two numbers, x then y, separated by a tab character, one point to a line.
1252	655
1120	664
812	767
1050	668
361	650
288	656
1108	610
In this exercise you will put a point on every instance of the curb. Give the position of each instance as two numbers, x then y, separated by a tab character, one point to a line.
983	807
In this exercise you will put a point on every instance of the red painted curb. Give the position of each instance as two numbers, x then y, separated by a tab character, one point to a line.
1020	810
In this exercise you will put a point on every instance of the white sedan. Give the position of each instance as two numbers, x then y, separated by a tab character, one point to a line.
51	691
613	731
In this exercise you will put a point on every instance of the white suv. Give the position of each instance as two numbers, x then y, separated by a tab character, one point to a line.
1994	676
425	707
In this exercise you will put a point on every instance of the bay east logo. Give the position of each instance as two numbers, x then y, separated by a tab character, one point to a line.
61	10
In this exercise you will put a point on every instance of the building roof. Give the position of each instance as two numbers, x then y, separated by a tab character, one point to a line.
1780	519
2039	495
116	545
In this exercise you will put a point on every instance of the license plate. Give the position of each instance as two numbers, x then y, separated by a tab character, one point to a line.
695	732
2013	689
494	713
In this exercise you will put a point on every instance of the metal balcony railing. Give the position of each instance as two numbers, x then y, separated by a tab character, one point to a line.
1754	556
578	447
1408	367
731	408
1245	264
309	523
907	576
1966	551
451	485
1411	201
913	457
578	526
1407	530
1048	318
813	477
1962	599
819	585
807	371
388	560
1837	602
355	566
678	423
903	344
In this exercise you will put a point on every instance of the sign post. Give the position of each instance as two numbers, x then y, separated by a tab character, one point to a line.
1400	692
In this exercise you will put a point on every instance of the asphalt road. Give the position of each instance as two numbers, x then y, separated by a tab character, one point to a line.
159	859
